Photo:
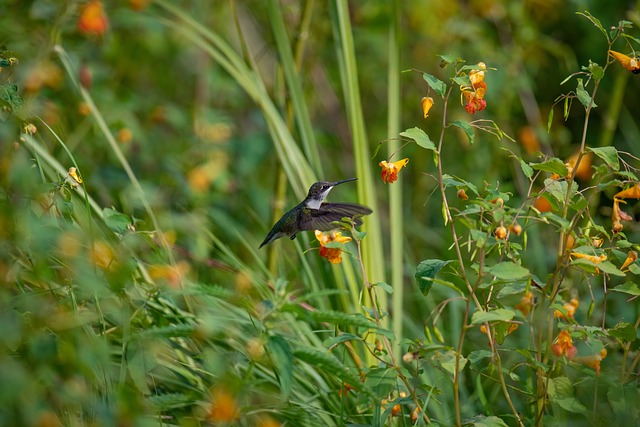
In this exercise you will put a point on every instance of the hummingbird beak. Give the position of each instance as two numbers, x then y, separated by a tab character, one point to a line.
343	181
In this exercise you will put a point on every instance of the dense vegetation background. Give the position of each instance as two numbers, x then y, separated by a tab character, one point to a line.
138	296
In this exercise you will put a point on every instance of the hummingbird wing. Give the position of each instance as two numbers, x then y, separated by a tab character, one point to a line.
322	219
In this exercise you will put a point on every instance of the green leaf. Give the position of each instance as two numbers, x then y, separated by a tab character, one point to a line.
462	81
478	355
583	96
420	137
623	331
595	21
447	361
526	169
426	272
497	315
344	337
437	85
384	286
282	358
553	165
466	127
116	221
381	382
329	364
628	288
451	181
484	421
609	155
508	270
596	70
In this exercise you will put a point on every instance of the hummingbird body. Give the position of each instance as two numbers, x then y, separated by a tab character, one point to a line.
313	214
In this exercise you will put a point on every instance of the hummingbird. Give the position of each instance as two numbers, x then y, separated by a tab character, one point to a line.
312	214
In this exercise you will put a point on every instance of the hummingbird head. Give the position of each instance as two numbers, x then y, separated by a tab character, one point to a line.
319	191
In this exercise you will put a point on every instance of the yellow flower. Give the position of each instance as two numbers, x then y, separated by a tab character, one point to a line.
594	360
427	103
474	94
73	173
334	255
631	257
569	307
526	302
390	170
631	64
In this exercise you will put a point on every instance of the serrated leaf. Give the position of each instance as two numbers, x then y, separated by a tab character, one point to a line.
609	155
462	80
497	315
381	382
282	358
437	85
553	165
508	270
116	221
420	137
466	127
447	361
583	96
344	337
609	268
596	70
477	355
628	288
426	272
624	331
341	318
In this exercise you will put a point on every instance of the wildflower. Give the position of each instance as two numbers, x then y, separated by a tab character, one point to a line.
390	170
102	255
334	255
415	414
29	128
564	345
526	302
597	242
618	215
631	257
173	275
93	19
125	135
73	173
631	64
224	407
596	259
570	308
629	193
594	360
474	94
515	229
462	194
501	232
427	103
529	140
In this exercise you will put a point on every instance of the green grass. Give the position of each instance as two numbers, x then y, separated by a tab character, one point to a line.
139	295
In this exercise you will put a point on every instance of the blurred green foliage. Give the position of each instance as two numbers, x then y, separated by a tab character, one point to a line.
106	320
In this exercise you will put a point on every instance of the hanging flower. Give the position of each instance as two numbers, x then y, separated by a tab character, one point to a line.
526	303
93	20
334	255
390	170
629	63
474	94
73	173
224	407
427	103
631	257
593	361
564	345
570	308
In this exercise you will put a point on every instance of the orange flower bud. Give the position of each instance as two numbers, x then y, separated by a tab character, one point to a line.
462	194
631	64
516	229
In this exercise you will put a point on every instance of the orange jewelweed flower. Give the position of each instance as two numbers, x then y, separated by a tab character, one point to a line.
73	173
629	63
390	170
334	255
93	19
564	345
224	407
594	360
526	302
427	103
569	307
618	215
629	193
474	94
631	257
